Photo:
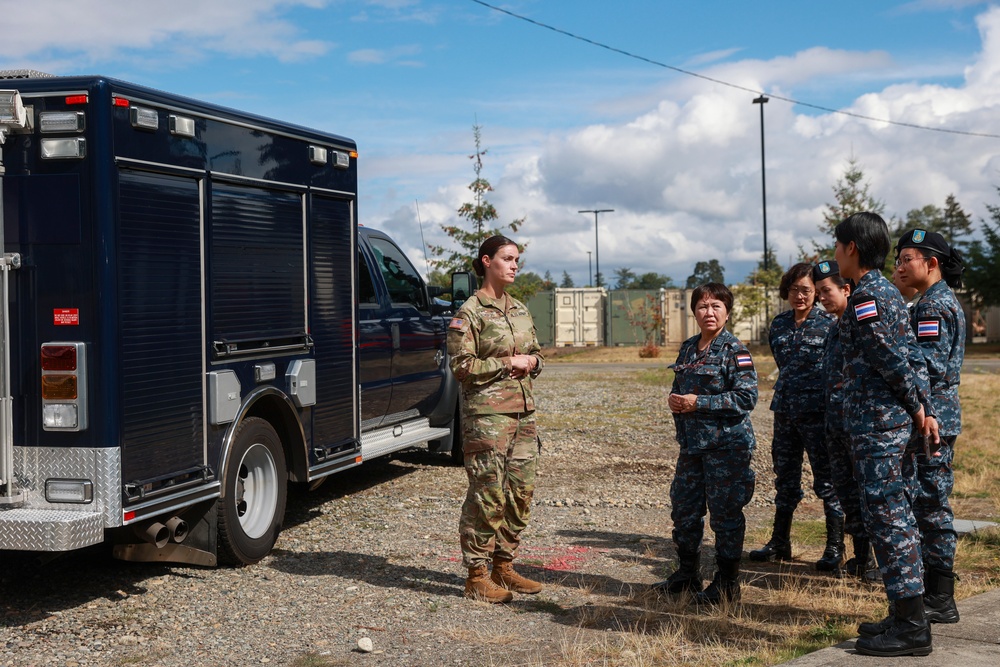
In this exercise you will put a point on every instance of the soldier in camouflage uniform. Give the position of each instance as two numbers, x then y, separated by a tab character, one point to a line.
926	263
713	394
797	338
882	408
495	355
833	292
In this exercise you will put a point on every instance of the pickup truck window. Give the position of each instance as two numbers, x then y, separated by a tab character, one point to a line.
403	281
366	288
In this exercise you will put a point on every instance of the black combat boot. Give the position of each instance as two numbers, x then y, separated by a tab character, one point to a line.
725	587
833	555
909	633
687	576
939	595
862	564
779	547
874	629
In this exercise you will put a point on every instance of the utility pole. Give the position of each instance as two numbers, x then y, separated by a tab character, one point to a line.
597	242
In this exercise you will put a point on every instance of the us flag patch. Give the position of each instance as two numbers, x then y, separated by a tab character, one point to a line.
743	360
456	323
929	329
866	311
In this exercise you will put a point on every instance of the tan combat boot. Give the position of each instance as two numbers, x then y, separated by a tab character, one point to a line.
504	575
479	586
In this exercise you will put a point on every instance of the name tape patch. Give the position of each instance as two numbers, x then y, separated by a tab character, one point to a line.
866	311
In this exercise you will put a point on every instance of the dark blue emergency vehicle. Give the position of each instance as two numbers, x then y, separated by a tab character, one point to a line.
191	319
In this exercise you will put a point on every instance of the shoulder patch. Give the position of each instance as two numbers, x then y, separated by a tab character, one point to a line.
457	323
866	311
929	329
744	360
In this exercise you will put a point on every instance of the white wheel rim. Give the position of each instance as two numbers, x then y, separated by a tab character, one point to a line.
256	491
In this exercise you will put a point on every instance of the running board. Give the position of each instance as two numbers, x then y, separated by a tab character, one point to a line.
391	439
26	529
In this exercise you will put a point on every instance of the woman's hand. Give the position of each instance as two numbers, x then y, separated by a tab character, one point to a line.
521	365
682	402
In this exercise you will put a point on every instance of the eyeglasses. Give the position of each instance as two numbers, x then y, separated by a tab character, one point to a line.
906	260
804	291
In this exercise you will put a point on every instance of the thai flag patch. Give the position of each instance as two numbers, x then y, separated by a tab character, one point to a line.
743	360
929	329
866	311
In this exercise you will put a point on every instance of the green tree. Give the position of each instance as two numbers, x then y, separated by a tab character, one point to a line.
567	280
652	280
479	216
624	278
706	272
769	277
982	273
852	194
526	285
952	221
957	222
547	282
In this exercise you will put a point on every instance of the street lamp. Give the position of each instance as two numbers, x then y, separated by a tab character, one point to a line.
597	243
590	271
762	100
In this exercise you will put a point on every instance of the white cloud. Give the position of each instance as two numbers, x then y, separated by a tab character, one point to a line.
95	31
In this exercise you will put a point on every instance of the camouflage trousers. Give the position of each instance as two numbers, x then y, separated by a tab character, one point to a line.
501	457
720	480
838	446
932	480
796	435
887	511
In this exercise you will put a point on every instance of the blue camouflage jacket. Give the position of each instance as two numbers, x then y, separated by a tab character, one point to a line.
881	387
725	381
833	375
798	352
939	325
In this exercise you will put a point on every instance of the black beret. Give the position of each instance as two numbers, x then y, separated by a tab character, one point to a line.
825	270
919	238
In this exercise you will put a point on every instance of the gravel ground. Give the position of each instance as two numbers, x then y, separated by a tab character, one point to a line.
374	553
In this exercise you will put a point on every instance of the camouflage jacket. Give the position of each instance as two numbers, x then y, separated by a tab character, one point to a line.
724	378
482	337
798	352
833	376
881	386
939	325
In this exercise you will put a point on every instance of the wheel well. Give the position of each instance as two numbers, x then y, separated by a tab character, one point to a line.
286	424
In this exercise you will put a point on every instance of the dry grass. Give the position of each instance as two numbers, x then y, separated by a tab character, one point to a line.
787	610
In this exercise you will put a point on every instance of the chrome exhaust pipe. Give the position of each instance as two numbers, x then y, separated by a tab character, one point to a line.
178	529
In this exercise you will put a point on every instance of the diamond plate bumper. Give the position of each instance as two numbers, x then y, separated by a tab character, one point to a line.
49	530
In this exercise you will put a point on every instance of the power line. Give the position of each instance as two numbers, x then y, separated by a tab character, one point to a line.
720	82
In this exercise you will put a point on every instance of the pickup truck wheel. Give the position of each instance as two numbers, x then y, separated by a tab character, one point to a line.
457	446
255	485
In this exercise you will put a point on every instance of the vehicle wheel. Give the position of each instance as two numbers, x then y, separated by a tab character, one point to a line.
457	446
255	483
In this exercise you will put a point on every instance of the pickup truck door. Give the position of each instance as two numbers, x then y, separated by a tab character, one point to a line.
375	348
418	338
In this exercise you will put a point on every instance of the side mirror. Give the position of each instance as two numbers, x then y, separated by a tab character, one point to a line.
463	284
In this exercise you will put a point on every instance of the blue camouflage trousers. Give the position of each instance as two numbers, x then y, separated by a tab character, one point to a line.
795	433
720	480
932	480
887	511
838	446
501	458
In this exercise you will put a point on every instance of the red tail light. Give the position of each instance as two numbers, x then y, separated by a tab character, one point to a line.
58	357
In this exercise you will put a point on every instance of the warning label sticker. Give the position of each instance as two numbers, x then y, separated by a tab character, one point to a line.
66	317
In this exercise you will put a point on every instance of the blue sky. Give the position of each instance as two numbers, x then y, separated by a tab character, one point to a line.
571	126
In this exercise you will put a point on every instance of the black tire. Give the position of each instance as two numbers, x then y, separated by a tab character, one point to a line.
255	484
457	444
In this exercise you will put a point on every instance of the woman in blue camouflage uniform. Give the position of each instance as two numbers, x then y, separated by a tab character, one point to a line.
495	356
713	393
797	338
833	292
883	406
926	263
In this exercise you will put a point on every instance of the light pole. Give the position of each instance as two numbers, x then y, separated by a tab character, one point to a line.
597	243
762	100
590	271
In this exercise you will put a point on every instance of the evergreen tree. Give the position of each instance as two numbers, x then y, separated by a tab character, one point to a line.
624	278
479	216
852	194
982	273
567	280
